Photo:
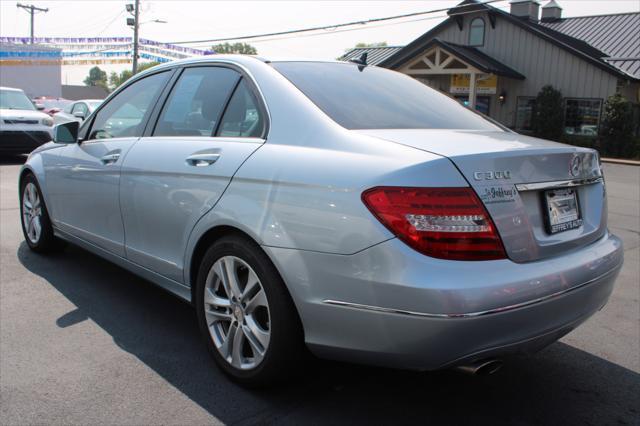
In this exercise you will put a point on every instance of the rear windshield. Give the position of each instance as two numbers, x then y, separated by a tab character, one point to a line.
376	98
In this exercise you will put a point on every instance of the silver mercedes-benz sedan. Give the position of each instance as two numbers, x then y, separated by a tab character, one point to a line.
336	207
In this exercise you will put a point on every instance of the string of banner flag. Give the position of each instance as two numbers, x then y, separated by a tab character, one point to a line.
102	41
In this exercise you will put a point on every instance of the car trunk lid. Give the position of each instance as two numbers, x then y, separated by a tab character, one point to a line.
518	178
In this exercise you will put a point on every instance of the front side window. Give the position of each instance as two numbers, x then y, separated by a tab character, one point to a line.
242	118
15	99
196	102
124	115
80	107
375	98
582	116
524	113
476	32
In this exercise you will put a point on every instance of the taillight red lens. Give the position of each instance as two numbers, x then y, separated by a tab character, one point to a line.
447	223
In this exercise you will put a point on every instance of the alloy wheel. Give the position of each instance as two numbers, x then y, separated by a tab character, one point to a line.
32	212
237	312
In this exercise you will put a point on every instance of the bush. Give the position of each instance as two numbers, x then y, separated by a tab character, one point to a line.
616	129
547	120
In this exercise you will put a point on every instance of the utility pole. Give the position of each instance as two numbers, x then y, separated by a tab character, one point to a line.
134	10
136	26
32	11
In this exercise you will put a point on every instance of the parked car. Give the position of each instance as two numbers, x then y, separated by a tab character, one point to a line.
22	127
77	111
49	105
342	206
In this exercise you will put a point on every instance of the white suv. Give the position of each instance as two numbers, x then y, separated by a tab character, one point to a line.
22	127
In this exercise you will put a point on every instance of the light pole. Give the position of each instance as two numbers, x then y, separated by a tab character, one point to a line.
134	10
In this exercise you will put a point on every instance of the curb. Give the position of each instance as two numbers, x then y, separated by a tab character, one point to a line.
619	161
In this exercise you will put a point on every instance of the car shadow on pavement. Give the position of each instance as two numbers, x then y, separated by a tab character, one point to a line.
561	384
10	160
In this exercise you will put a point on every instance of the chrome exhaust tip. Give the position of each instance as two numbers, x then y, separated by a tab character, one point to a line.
484	367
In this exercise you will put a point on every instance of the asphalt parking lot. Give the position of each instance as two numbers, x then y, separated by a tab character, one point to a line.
84	342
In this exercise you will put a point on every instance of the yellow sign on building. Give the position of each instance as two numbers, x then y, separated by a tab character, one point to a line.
486	84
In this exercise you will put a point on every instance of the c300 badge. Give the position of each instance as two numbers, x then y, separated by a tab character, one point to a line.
492	175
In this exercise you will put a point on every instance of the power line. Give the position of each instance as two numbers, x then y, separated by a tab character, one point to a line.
372	27
111	22
429	18
327	27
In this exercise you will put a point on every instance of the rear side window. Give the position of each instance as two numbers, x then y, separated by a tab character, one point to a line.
242	118
196	102
124	115
376	98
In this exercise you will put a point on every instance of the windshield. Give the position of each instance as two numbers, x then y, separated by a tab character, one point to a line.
14	99
376	98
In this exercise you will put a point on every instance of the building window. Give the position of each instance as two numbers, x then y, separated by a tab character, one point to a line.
524	113
483	103
476	32
582	116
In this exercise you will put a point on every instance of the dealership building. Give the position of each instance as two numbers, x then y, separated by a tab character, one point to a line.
497	61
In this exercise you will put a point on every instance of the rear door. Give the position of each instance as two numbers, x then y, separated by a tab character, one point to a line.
210	123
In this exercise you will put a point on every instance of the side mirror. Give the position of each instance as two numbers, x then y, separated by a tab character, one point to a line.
39	106
79	114
66	132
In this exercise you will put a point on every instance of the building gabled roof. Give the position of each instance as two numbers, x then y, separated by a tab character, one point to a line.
477	59
375	55
578	47
616	35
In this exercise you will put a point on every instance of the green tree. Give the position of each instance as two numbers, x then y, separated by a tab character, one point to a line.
96	77
241	48
548	115
377	44
616	130
115	79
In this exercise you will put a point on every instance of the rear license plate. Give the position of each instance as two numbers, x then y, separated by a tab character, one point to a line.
563	211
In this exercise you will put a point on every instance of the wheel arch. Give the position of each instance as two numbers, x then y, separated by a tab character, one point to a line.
206	240
26	170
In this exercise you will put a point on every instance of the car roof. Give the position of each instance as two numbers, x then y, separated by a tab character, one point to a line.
13	89
238	59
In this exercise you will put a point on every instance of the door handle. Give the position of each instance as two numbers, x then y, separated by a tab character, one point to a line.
202	160
110	158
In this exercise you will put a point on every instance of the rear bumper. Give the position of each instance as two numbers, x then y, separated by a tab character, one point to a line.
391	306
22	142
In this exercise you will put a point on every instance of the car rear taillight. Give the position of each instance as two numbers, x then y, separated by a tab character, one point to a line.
447	223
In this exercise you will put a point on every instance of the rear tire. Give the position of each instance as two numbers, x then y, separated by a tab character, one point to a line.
246	316
34	217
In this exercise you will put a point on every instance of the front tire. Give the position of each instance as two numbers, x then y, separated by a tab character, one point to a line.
246	316
36	224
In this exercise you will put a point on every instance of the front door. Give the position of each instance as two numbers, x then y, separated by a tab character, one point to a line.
209	125
85	186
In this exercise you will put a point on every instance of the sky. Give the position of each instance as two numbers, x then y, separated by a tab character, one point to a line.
196	20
